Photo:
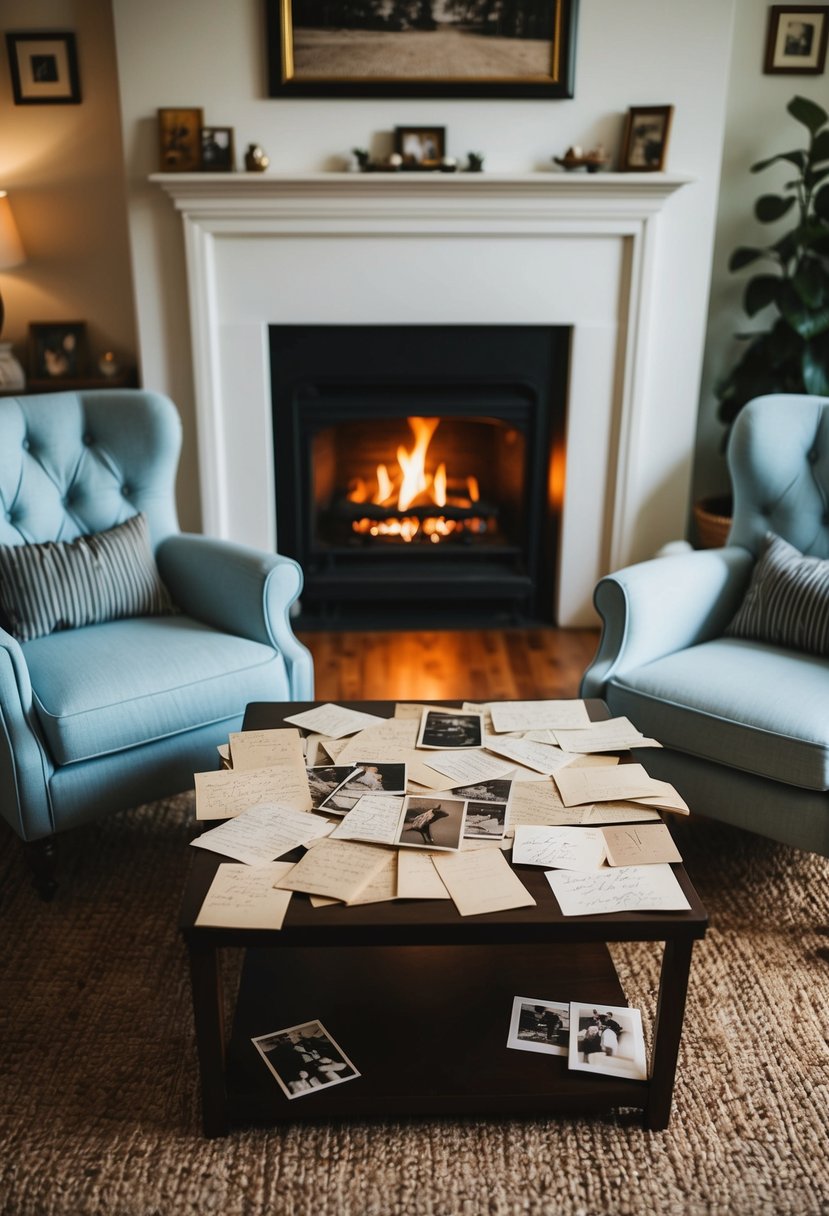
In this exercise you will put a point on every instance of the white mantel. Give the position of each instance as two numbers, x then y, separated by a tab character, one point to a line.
402	248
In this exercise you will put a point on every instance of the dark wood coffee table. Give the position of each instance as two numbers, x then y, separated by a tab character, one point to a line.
420	998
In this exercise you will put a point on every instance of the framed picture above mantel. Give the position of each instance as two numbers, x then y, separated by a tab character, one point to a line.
421	48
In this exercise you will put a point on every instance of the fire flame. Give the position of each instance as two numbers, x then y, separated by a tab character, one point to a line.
412	484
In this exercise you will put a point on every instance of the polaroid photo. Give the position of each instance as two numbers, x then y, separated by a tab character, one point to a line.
379	777
304	1059
539	1025
432	823
485	820
607	1039
325	779
445	731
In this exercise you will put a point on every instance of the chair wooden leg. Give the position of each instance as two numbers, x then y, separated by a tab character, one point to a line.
41	858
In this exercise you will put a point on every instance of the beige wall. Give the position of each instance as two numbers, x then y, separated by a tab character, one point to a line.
63	167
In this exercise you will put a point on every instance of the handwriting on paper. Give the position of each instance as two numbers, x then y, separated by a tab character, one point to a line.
243	897
382	887
262	834
544	758
468	767
382	742
339	869
225	793
614	735
481	881
374	818
640	845
624	781
266	748
333	720
630	889
538	715
566	848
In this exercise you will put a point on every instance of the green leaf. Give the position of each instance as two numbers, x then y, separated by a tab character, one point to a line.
808	112
815	368
813	177
821	202
760	292
787	246
797	158
744	256
819	150
808	322
811	282
771	207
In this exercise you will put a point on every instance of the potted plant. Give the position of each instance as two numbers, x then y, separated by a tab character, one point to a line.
792	355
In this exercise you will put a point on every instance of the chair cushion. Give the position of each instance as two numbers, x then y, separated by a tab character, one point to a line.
109	687
759	708
787	601
61	585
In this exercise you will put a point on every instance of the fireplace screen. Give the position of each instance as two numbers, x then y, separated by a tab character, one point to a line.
420	467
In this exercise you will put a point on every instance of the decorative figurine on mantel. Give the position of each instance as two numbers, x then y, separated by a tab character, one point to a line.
475	162
256	160
576	158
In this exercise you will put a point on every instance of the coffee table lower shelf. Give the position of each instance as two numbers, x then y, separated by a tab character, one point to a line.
426	1027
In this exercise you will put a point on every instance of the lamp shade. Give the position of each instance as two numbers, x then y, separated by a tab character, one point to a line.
11	247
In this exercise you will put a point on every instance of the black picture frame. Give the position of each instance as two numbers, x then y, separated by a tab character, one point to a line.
549	74
420	147
44	68
217	150
645	141
57	350
796	40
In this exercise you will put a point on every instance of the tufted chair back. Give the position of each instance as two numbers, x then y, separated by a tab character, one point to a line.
778	455
80	462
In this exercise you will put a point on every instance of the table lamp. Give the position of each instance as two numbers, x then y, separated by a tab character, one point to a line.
11	254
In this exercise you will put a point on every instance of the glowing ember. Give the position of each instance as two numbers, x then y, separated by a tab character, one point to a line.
413	485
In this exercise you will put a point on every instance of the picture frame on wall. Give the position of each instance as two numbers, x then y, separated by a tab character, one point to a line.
796	39
645	141
57	350
420	147
44	68
217	155
505	48
179	139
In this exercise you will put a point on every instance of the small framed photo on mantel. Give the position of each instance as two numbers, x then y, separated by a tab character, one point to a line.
179	136
420	147
645	142
217	149
796	40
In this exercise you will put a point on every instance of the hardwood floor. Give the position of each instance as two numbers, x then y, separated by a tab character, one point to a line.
475	664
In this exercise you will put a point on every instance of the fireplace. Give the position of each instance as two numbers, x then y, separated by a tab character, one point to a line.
420	469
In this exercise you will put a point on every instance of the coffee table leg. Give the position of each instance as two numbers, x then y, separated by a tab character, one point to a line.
670	1011
206	985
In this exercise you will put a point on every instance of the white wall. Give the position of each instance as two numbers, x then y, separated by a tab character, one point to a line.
644	52
757	126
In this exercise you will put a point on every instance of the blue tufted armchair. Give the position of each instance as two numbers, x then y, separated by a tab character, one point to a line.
745	725
112	715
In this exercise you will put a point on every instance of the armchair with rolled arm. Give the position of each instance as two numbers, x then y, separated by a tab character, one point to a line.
744	724
122	712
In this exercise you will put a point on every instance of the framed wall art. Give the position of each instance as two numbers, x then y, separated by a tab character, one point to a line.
57	350
645	142
796	40
421	48
217	154
420	147
44	69
179	137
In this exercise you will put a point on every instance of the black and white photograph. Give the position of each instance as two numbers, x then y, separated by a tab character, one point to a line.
496	789
324	779
432	823
376	48
645	142
384	778
57	349
796	39
485	820
217	149
539	1025
607	1039
304	1059
445	731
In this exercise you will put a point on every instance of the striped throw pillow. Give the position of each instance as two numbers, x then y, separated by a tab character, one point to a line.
95	578
787	602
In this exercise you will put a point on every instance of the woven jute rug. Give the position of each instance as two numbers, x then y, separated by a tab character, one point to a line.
99	1105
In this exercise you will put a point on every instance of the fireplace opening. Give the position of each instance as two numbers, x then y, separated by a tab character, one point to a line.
419	470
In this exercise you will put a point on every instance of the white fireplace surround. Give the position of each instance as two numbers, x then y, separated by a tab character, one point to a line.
373	249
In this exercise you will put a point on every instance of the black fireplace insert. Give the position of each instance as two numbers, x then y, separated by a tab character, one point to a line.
420	470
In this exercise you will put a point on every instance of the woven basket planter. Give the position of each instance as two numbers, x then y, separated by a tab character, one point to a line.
712	520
